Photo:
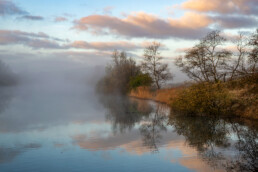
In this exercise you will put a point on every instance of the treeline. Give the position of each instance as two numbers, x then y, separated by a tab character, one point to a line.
218	67
123	74
7	77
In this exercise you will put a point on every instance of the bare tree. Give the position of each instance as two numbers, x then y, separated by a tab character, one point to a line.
152	64
206	61
253	54
209	62
244	62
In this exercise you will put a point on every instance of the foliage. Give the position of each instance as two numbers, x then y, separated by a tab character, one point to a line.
140	80
118	74
203	99
152	65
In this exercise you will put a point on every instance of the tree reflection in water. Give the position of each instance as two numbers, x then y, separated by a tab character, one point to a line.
152	127
6	95
124	113
222	143
247	147
214	138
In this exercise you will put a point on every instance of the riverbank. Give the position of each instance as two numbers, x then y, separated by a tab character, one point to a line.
242	97
162	96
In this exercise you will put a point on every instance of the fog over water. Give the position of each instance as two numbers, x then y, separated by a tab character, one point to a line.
54	120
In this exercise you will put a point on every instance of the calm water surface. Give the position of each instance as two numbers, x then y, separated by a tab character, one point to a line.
69	128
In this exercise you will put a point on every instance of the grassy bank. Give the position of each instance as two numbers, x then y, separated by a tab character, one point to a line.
234	98
162	95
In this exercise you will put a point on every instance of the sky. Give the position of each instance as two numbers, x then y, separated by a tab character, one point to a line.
34	32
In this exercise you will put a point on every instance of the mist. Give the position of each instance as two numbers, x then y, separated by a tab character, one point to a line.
51	91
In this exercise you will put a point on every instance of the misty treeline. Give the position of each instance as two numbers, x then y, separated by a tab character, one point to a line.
211	60
123	74
7	77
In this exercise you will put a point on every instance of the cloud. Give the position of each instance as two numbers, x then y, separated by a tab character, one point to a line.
31	17
43	41
9	8
7	154
34	40
228	21
60	19
191	20
222	6
108	10
190	26
120	45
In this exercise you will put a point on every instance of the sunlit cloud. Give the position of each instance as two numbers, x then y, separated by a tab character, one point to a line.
222	6
145	25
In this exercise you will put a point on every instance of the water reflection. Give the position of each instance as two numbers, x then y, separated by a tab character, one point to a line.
6	95
246	158
222	143
120	133
124	113
153	126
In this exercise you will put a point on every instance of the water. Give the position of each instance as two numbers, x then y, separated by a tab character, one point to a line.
69	128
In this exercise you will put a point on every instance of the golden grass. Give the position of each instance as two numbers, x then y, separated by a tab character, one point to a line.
163	95
245	104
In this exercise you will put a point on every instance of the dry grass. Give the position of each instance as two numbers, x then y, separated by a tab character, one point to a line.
245	102
163	95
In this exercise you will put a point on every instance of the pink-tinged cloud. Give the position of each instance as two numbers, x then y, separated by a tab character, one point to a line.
223	6
34	40
60	19
120	45
190	26
43	41
9	8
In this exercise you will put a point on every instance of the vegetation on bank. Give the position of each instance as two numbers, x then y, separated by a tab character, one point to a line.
123	74
7	77
224	81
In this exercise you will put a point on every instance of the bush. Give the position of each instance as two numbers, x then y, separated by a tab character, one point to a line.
140	80
118	74
203	99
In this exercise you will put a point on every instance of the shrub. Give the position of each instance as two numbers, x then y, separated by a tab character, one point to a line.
203	99
118	74
140	80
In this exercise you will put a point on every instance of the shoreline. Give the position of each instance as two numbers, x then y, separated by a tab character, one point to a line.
166	96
